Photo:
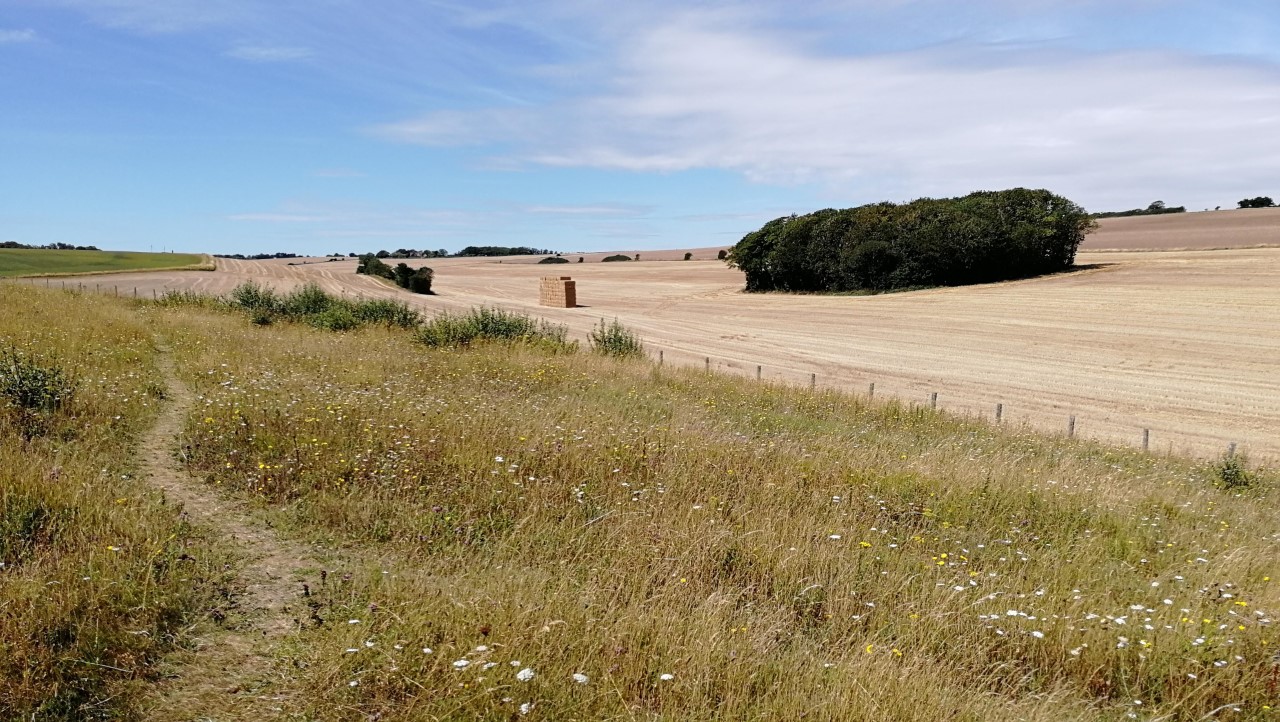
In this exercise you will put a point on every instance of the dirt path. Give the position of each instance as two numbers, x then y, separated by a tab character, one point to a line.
230	673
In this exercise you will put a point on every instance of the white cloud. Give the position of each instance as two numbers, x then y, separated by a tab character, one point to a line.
268	54
1098	127
26	35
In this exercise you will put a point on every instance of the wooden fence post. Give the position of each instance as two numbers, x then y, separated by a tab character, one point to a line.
659	357
999	412
813	380
1146	439
759	370
1071	426
871	390
706	364
933	400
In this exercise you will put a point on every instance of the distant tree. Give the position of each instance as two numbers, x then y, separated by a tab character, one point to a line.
554	259
688	256
581	259
1259	202
403	273
1156	206
382	254
617	257
637	256
722	254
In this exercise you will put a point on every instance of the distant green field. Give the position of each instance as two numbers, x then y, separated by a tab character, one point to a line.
41	262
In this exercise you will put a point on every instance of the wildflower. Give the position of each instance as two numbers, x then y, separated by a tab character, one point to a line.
353	683
526	708
581	678
353	621
666	677
1038	634
461	663
525	674
426	650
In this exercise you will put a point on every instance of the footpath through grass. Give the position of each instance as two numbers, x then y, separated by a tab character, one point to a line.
97	576
561	536
43	262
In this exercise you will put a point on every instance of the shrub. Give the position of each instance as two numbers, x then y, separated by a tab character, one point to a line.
722	254
337	317
1233	473
614	339
32	385
554	259
612	259
581	259
493	324
688	256
252	296
390	313
306	300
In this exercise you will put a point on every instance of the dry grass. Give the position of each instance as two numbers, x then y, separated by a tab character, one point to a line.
97	576
779	554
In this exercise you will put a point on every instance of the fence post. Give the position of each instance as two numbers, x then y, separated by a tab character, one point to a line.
759	370
871	390
1071	427
659	357
707	364
1146	439
153	294
1231	450
933	400
999	412
115	291
135	291
813	380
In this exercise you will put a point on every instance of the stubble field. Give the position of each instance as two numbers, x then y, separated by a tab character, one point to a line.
1179	342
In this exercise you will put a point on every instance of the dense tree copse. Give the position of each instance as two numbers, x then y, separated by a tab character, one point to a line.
982	237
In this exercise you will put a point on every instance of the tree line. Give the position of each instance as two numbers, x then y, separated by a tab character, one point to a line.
982	237
1157	208
48	247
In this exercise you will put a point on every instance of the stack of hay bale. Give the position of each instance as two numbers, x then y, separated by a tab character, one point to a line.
558	291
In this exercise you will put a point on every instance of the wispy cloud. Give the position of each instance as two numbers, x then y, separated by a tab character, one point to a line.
268	54
689	94
25	35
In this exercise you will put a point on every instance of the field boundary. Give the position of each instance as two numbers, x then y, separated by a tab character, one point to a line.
1071	423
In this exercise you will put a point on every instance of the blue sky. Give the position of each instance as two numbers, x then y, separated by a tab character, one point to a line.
316	126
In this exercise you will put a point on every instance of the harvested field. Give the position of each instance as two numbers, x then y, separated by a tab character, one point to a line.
1179	231
1182	343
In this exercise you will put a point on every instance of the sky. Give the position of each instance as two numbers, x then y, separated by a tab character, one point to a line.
321	126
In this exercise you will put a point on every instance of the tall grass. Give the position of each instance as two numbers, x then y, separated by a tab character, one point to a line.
673	545
97	576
